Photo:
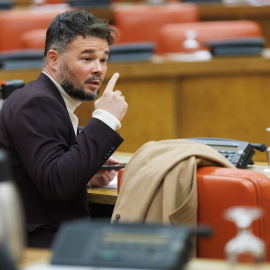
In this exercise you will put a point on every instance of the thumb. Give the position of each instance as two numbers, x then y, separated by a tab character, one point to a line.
112	82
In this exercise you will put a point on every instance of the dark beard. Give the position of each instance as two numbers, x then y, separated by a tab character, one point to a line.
78	94
69	86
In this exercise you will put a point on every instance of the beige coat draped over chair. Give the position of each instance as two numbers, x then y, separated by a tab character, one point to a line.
159	182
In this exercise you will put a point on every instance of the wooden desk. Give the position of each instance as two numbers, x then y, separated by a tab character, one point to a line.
109	195
102	195
32	256
224	97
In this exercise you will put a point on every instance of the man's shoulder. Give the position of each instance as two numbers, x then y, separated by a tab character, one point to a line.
34	94
42	87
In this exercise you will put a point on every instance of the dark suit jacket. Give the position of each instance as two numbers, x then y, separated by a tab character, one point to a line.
50	165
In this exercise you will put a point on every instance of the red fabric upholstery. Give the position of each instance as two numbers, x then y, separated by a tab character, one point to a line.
171	36
14	23
142	23
35	39
220	189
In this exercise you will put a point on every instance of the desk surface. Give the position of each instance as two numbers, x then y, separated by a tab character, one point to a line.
33	256
102	195
109	195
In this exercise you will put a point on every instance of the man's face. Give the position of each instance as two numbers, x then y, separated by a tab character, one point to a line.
83	67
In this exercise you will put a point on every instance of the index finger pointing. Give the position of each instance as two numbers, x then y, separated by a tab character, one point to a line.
112	82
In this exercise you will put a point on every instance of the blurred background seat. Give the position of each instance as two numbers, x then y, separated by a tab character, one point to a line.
33	39
141	23
172	36
14	23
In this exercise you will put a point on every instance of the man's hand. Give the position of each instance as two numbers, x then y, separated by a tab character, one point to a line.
112	101
104	177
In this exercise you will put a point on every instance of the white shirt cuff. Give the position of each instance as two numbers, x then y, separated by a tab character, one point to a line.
107	118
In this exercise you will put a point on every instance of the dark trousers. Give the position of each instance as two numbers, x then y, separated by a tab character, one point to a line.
41	237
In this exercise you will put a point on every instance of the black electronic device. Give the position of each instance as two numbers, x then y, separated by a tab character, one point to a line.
8	87
117	167
21	59
131	51
237	47
88	3
133	246
239	153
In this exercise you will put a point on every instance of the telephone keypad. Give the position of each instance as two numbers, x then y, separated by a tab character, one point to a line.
227	154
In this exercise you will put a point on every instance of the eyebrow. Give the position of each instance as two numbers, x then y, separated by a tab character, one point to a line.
92	51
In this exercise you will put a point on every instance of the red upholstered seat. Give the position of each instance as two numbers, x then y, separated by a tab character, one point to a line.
171	36
35	39
142	23
14	23
220	189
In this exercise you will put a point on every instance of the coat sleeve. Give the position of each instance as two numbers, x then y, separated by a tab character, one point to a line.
59	166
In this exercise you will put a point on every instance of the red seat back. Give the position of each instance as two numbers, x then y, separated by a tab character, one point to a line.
172	36
220	189
139	23
14	23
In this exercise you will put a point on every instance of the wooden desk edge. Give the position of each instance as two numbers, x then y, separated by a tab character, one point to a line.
109	195
102	195
32	256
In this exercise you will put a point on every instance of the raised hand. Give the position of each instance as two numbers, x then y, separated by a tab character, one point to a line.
112	101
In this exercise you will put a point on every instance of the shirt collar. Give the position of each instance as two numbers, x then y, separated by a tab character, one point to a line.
70	102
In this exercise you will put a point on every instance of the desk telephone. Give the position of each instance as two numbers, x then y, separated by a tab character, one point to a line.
239	153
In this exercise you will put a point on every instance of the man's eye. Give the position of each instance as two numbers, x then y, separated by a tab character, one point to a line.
104	60
87	59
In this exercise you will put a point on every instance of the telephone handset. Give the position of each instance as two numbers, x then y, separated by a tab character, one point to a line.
239	153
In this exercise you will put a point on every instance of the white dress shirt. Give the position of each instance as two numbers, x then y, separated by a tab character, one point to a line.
72	104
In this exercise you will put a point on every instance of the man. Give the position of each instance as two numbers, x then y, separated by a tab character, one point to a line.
38	128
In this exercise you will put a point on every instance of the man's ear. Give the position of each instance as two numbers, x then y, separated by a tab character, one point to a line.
53	59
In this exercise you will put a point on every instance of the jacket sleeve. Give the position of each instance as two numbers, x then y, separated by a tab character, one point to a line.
59	165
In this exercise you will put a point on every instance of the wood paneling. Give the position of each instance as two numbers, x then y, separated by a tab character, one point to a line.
224	97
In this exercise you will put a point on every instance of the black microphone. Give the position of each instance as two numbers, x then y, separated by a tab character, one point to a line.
259	146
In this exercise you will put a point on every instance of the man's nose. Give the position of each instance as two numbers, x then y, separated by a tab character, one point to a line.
96	67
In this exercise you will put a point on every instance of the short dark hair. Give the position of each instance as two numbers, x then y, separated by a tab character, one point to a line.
67	26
